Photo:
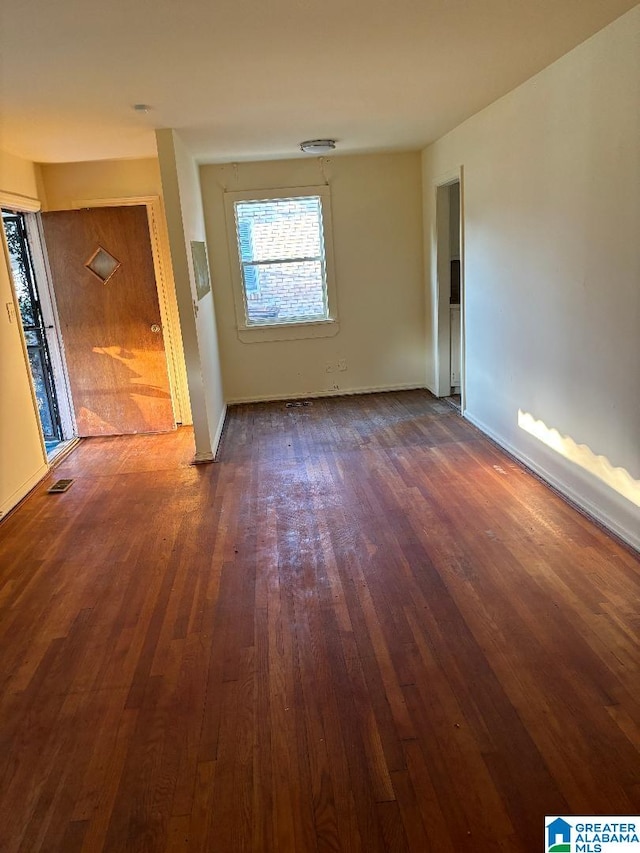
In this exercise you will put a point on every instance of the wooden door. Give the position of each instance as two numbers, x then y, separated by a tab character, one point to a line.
105	288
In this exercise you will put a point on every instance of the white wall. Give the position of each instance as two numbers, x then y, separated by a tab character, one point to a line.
185	222
551	206
377	235
22	456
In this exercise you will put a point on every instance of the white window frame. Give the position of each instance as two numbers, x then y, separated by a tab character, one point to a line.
294	329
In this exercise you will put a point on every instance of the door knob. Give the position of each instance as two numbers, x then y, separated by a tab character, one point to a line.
156	329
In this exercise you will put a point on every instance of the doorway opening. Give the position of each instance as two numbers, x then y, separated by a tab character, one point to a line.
450	293
42	341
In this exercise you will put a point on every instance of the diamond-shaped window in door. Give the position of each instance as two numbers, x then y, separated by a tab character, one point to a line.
102	264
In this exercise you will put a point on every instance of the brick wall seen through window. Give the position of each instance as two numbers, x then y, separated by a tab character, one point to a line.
282	259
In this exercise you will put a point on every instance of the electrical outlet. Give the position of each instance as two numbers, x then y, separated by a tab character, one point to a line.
342	364
330	367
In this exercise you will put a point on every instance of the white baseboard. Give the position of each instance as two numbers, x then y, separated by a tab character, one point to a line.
14	499
341	392
202	458
583	503
218	435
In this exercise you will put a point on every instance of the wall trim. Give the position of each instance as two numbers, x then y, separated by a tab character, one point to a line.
16	201
332	392
203	457
218	436
168	307
23	491
440	283
582	504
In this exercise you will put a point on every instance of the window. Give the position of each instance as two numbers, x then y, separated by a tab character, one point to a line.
281	255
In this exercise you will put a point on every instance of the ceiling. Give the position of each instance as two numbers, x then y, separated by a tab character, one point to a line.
249	79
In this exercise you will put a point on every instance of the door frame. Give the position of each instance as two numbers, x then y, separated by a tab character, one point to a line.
31	209
441	285
50	314
174	354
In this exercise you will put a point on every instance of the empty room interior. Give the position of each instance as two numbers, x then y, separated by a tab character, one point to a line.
319	425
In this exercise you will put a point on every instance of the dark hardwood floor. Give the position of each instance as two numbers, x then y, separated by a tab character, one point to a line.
364	629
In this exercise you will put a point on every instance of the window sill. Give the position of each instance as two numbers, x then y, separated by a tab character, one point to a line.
288	331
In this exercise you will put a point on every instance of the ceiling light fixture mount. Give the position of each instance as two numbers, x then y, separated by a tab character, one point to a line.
318	146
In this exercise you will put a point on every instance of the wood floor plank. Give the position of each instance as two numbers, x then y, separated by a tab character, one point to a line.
365	628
